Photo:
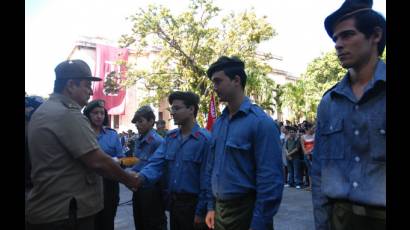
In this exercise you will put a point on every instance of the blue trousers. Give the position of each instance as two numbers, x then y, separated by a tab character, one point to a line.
295	172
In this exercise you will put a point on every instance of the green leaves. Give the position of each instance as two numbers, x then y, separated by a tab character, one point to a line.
189	42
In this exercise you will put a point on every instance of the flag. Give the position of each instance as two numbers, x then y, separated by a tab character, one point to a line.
211	113
111	73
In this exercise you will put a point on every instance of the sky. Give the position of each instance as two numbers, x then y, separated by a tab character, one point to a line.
53	26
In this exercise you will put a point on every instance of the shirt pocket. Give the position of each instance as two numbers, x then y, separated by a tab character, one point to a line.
91	178
332	144
193	154
142	153
378	138
170	155
238	147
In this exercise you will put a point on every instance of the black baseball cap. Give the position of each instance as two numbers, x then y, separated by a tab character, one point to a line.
74	69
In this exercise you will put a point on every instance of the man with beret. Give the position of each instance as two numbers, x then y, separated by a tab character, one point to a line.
147	202
349	167
245	164
66	157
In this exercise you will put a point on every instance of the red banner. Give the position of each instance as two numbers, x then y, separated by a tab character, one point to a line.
111	72
211	113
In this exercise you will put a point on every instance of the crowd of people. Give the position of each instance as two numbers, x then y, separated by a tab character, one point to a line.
297	152
229	178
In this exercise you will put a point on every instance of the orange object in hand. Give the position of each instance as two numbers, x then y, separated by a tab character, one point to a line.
129	161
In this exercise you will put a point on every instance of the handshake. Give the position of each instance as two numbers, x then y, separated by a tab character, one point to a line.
136	181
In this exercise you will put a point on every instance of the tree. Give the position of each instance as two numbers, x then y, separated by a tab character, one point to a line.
321	74
188	43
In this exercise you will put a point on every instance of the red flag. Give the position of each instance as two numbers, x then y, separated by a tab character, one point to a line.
106	63
211	113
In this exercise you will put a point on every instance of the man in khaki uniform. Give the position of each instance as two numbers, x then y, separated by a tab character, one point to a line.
66	157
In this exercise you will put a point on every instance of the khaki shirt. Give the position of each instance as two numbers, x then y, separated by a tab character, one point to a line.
58	135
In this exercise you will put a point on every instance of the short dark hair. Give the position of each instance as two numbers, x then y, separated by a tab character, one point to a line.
189	99
145	112
366	22
160	122
59	84
308	125
231	66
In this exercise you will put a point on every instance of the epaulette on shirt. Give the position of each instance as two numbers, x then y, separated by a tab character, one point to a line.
257	110
201	132
108	128
150	139
331	88
69	105
172	133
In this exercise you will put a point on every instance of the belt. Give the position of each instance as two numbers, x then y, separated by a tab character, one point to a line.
184	196
363	210
237	199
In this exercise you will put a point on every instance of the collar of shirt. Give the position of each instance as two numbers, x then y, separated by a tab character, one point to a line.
148	138
245	107
344	88
194	132
65	100
102	132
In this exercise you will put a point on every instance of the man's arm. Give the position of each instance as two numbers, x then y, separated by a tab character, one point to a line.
201	207
269	174
302	140
153	170
103	165
321	206
210	216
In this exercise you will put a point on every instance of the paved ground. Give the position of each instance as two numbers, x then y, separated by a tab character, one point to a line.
295	212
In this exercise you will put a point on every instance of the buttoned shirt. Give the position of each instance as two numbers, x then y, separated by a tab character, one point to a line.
245	157
58	135
145	147
110	142
350	148
184	161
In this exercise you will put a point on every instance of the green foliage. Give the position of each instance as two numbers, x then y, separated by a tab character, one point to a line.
304	96
189	42
321	74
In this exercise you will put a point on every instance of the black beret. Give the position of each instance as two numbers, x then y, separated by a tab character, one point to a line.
74	69
92	104
141	112
225	63
349	7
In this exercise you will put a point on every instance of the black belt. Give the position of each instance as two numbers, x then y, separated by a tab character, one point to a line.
237	199
362	210
184	197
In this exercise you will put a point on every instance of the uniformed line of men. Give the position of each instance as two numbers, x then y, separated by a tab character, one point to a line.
232	177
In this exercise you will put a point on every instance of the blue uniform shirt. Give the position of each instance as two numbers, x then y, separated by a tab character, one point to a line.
246	156
144	148
110	142
350	149
184	162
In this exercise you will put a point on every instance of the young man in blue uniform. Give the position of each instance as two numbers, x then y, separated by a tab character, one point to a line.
182	160
349	166
245	165
147	205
